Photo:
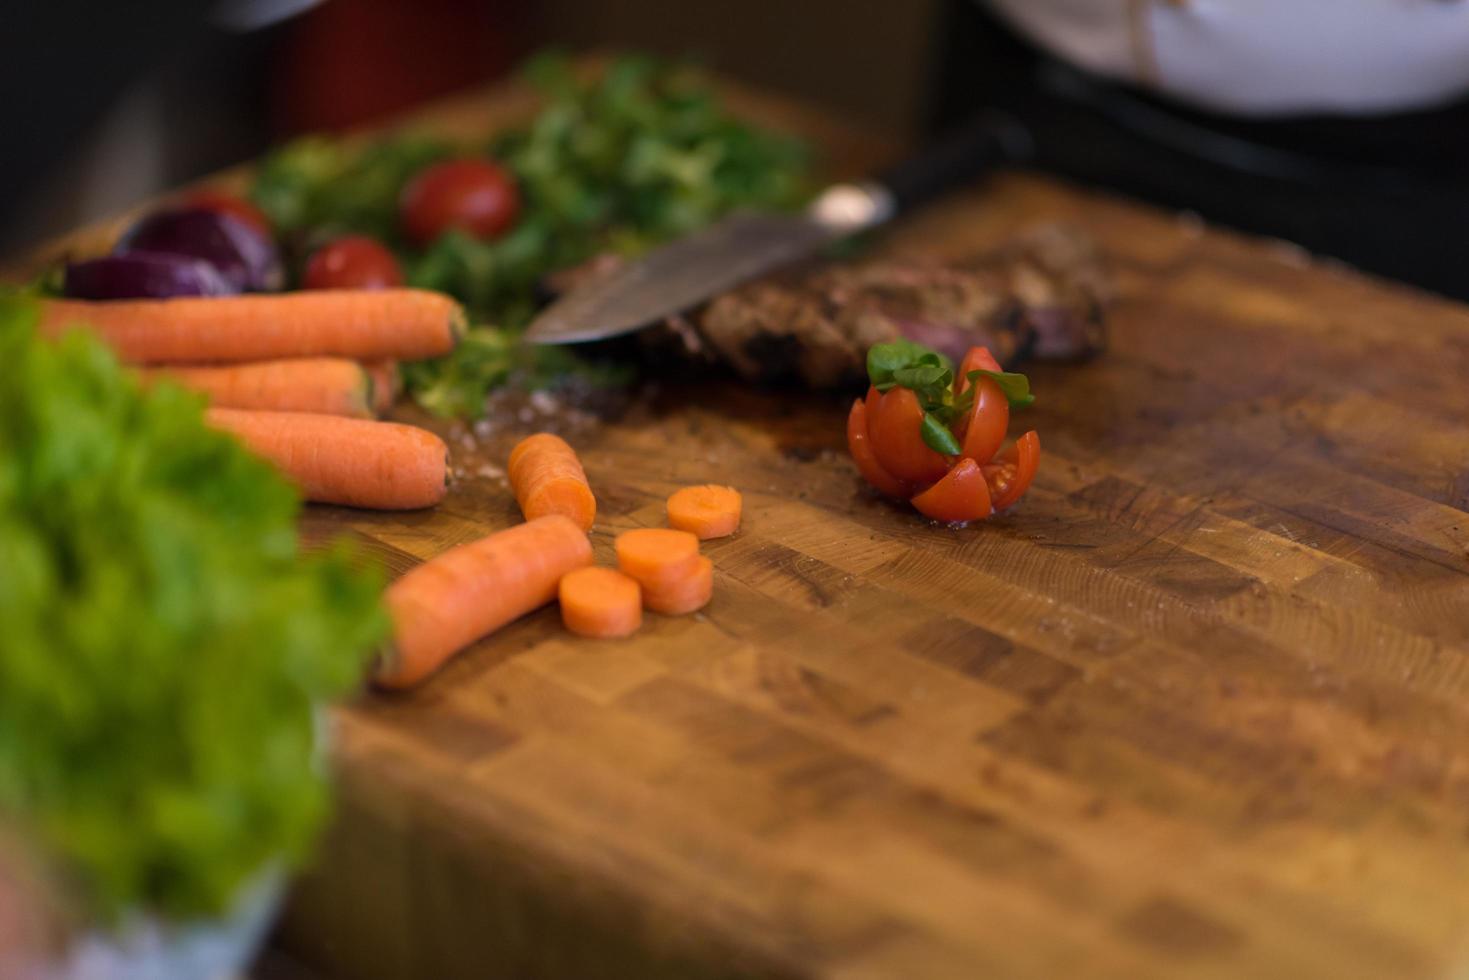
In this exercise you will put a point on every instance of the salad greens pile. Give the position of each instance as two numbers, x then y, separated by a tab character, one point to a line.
642	154
165	648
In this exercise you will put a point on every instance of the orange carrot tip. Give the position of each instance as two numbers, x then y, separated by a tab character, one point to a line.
470	591
601	603
686	595
657	557
706	512
547	478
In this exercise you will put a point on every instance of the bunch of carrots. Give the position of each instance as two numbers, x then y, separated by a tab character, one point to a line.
299	377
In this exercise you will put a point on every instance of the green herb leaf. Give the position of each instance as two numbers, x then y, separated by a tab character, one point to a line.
1015	386
938	437
617	164
884	361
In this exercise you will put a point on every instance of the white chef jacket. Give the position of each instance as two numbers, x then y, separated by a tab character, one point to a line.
1264	57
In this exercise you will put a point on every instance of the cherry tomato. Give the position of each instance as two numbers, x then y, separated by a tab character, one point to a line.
352	262
978	359
476	196
895	429
982	429
230	204
861	448
962	495
1010	475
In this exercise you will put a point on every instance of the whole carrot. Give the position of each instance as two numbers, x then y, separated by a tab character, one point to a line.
386	383
324	385
335	460
548	479
451	600
387	323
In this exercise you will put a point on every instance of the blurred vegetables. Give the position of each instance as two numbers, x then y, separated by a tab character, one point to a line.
475	196
244	256
615	165
352	262
223	202
142	275
166	647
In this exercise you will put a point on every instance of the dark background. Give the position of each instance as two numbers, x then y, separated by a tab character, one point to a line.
118	101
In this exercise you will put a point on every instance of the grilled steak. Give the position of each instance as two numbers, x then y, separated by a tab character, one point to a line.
1042	295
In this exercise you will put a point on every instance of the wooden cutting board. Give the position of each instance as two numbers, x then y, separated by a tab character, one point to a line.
1199	706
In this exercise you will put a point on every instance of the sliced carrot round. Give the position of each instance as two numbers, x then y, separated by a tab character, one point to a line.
600	602
706	512
687	595
657	557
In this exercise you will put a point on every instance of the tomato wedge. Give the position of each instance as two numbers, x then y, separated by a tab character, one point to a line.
1013	470
962	495
860	447
895	429
983	427
978	359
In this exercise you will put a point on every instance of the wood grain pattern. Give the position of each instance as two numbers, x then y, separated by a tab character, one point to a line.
1199	706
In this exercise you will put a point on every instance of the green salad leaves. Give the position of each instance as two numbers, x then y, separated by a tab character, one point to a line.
164	648
641	154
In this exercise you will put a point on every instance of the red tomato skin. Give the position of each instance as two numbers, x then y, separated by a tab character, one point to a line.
222	202
860	447
1014	470
961	496
978	359
897	439
476	196
352	262
983	428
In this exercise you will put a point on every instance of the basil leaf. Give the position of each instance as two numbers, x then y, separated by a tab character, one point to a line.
884	360
924	377
938	437
1015	386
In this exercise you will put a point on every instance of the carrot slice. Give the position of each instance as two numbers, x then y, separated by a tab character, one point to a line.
683	597
453	599
323	385
386	383
403	323
706	512
601	603
548	479
659	558
334	460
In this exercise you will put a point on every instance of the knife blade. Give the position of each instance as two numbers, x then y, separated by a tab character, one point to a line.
746	245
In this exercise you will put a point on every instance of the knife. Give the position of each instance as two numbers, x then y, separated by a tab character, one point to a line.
748	244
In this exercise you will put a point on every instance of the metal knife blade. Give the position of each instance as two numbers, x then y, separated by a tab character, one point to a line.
692	269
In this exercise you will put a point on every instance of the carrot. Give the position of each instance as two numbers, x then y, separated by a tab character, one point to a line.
325	385
386	383
451	600
601	603
706	512
688	595
548	479
365	324
658	558
356	462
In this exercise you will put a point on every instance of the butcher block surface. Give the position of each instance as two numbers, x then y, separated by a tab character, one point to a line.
1199	706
